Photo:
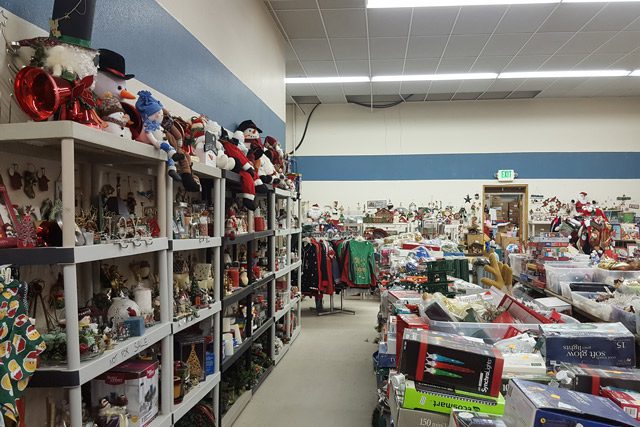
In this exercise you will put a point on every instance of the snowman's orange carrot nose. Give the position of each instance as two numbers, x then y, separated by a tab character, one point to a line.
125	94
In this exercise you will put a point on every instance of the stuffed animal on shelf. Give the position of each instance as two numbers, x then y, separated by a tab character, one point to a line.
111	79
174	133
242	167
151	112
200	126
256	150
117	120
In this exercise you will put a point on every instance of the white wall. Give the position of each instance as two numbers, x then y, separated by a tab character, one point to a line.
243	36
558	125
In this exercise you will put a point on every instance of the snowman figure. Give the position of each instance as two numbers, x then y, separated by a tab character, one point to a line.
111	76
112	113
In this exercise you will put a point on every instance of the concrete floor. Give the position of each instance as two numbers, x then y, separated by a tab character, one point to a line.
326	378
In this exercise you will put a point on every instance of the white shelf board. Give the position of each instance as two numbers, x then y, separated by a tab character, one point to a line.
279	357
87	139
194	396
191	244
99	252
283	272
111	358
296	230
162	420
296	265
294	301
206	171
203	314
296	334
236	409
283	232
283	193
282	312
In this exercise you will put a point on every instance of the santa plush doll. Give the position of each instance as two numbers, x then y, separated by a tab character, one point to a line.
581	203
244	168
253	142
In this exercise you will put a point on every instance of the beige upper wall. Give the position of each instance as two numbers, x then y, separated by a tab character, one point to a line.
243	36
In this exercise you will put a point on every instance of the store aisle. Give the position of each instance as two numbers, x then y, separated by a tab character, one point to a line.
326	378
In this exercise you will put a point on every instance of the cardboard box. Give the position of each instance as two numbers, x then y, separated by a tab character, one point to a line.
138	381
540	379
553	303
474	419
406	321
523	364
589	379
627	400
475	238
535	405
403	417
435	399
191	349
602	344
451	361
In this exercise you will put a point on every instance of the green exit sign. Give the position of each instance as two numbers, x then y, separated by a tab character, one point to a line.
506	175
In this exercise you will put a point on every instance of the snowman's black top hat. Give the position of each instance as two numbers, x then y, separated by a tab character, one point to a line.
113	63
72	21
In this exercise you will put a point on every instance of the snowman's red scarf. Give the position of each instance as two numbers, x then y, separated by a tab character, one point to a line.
122	123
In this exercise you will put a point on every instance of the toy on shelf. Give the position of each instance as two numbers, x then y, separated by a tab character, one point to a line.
175	134
242	167
152	113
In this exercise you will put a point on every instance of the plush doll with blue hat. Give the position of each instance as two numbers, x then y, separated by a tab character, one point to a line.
150	110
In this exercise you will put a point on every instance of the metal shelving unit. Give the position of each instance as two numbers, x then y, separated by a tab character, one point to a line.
72	145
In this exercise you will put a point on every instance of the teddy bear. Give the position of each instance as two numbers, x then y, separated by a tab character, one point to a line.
174	133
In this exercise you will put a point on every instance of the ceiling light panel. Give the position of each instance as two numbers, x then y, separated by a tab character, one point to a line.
563	74
434	77
439	3
320	80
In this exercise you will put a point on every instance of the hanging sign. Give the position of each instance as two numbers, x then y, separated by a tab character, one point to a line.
506	175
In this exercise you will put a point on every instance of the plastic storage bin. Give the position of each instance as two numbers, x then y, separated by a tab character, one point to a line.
517	263
586	302
488	331
568	287
557	274
624	317
610	276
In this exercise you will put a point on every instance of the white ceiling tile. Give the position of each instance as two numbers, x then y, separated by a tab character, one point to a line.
312	49
535	84
332	99
293	4
624	42
627	62
478	19
469	45
524	18
342	4
456	64
320	68
421	66
490	64
357	88
353	68
564	85
301	24
634	26
586	42
433	21
526	63
475	85
329	89
570	17
426	47
505	44
505	85
289	54
599	61
444	86
614	17
300	89
386	88
386	67
389	22
345	23
388	47
409	88
294	69
545	43
355	48
562	62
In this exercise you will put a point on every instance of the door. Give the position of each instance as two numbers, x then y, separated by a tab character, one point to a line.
507	204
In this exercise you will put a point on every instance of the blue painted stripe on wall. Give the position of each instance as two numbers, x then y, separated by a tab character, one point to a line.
470	166
182	68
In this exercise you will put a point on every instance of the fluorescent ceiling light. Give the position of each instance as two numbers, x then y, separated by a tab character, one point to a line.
561	74
437	3
313	80
635	73
433	77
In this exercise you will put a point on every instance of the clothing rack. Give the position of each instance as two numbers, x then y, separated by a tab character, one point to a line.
333	309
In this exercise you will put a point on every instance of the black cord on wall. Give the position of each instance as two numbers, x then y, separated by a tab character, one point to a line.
306	126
